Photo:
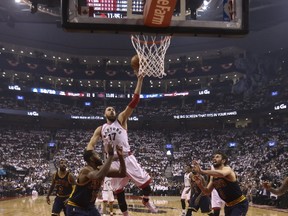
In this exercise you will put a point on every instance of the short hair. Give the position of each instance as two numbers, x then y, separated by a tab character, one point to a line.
62	159
87	155
223	155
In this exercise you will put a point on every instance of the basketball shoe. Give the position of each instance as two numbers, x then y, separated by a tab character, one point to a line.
150	205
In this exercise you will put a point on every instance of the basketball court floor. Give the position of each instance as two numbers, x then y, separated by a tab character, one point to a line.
169	206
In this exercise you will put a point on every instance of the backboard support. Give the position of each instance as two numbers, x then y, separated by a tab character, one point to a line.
190	17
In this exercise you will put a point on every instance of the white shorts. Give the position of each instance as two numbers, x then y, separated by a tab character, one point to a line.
133	171
107	196
184	194
216	201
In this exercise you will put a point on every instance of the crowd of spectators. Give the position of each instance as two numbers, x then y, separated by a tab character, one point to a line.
26	154
216	102
252	91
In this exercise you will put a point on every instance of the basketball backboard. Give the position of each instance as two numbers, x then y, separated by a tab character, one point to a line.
188	17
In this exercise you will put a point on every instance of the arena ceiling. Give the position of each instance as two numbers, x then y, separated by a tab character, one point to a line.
268	32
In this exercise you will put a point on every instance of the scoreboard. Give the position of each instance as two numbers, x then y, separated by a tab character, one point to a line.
191	18
114	8
108	5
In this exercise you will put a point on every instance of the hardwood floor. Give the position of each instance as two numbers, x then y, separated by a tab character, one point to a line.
169	206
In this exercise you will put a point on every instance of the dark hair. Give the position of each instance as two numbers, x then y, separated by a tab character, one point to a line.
87	154
62	159
223	155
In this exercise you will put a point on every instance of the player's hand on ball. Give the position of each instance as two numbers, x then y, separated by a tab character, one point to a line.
135	62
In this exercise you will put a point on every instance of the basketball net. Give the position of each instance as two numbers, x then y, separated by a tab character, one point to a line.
151	51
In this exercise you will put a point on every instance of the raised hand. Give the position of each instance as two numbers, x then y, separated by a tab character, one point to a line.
110	149
197	179
119	150
196	166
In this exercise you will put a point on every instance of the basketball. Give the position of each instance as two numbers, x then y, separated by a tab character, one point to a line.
135	63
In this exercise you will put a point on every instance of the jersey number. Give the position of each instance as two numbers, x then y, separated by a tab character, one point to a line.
112	136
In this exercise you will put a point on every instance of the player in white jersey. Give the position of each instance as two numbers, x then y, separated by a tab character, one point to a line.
107	196
216	202
186	192
115	131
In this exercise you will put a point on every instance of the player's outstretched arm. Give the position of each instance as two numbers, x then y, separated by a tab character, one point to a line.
278	191
216	173
121	173
123	116
102	172
94	139
205	189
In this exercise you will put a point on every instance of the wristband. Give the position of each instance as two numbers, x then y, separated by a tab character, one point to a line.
135	101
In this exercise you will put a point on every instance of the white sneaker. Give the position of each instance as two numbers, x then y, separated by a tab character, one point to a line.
150	205
125	213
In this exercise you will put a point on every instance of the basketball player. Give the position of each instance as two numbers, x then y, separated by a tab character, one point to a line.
224	180
115	130
107	195
186	192
82	200
216	201
63	181
277	191
198	200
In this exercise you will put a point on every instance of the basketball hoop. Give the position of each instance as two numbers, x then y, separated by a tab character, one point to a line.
151	51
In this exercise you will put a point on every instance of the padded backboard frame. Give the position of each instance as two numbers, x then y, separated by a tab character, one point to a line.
203	17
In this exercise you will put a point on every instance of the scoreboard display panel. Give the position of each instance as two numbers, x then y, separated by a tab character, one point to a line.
197	17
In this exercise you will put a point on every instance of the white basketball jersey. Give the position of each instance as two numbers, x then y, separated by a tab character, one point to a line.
186	180
107	184
117	134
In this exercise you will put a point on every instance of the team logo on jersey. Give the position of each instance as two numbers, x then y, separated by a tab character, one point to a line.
111	132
